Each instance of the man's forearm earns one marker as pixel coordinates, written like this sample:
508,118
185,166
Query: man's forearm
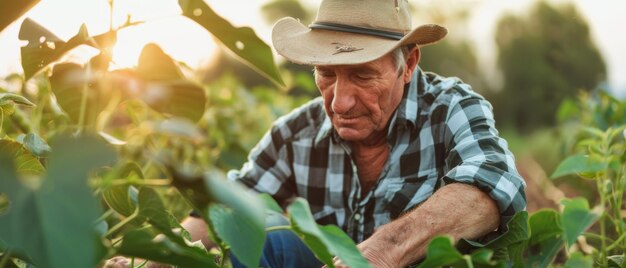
458,210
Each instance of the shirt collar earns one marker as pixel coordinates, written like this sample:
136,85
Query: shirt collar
405,115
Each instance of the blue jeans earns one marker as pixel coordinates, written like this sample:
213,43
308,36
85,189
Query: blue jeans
283,248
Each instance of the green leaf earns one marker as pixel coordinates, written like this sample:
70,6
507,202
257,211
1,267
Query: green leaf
44,47
441,252
542,254
70,83
179,98
48,221
12,10
36,145
155,65
270,203
325,241
25,162
578,260
240,222
240,40
10,98
576,218
616,261
577,164
145,244
546,237
483,256
118,198
159,83
544,224
152,208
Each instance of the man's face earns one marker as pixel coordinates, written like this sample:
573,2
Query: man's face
360,99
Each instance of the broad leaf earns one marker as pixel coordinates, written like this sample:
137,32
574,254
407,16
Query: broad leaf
36,145
578,260
145,244
12,10
576,218
542,254
544,224
118,198
25,162
152,208
325,241
47,222
159,83
616,261
270,203
240,40
240,222
155,65
10,98
8,102
72,84
44,47
576,164
546,237
441,252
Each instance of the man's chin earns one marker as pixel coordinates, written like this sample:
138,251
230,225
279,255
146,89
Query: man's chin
350,134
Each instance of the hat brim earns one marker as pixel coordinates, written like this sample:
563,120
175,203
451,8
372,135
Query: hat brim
300,44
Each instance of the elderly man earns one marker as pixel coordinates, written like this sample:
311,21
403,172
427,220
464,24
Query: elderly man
392,155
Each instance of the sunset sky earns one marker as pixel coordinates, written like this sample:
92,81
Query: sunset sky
188,42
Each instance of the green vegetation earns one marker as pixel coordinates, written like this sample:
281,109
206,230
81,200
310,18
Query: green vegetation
97,163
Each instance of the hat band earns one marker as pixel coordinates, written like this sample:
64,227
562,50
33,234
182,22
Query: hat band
356,29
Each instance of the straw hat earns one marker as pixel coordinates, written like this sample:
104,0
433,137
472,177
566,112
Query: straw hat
351,32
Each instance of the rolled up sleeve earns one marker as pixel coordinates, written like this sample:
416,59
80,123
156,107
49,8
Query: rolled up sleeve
478,156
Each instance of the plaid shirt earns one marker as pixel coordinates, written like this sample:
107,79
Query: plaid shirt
442,132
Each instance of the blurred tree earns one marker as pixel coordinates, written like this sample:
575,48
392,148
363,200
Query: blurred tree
299,77
278,9
454,56
545,57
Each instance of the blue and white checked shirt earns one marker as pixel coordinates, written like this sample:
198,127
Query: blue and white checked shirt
442,132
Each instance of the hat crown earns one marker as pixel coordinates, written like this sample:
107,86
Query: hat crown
390,15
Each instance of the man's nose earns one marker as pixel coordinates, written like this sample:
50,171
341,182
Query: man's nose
344,98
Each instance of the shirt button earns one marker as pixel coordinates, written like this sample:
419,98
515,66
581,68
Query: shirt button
357,216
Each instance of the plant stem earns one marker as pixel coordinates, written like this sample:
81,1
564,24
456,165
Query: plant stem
468,261
596,236
83,100
122,223
1,121
105,215
5,258
280,227
111,15
616,243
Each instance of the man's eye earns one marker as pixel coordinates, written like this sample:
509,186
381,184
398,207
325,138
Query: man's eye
326,74
363,77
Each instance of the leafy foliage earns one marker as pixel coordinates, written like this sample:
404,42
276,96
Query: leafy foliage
545,56
11,10
241,41
173,132
57,221
324,241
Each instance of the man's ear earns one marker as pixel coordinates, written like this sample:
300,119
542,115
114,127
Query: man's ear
411,63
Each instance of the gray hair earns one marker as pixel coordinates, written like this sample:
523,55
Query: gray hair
399,56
